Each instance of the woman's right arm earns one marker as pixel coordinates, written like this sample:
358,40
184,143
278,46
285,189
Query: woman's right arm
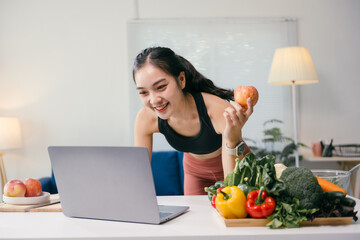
145,126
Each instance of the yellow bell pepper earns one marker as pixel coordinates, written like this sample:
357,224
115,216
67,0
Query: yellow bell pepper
230,202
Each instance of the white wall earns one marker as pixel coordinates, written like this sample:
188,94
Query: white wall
64,69
64,74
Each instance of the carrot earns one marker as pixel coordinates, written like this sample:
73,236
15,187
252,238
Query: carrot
328,186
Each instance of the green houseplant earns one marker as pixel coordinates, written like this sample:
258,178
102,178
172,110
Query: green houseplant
275,143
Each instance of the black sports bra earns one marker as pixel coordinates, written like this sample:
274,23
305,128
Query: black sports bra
206,141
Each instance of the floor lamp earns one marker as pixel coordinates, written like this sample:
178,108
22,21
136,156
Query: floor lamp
293,66
10,138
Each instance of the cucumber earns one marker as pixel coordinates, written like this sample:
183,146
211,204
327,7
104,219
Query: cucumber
349,202
334,195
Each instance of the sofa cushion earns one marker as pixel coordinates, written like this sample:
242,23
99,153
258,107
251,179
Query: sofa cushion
168,172
48,184
181,168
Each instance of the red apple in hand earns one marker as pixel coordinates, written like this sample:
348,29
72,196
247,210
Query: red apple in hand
14,188
242,93
33,187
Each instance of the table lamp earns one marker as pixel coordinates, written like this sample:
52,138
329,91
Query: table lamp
10,138
293,66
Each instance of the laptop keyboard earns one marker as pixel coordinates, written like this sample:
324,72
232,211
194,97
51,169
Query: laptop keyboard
164,214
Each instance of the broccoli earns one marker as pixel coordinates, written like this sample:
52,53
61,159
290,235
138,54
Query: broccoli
303,185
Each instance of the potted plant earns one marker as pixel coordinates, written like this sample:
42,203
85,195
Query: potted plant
275,143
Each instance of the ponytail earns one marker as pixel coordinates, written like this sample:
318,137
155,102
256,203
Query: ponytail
169,62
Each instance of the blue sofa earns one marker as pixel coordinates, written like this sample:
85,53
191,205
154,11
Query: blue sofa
167,169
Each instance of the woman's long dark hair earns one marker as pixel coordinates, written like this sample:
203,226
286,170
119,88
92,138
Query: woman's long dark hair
165,59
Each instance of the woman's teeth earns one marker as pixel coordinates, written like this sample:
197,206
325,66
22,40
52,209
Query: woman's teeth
161,108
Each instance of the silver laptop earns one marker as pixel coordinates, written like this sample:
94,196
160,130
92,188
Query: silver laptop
109,183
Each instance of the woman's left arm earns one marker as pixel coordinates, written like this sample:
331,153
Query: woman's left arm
228,119
235,118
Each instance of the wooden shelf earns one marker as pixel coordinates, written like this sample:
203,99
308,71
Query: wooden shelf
311,158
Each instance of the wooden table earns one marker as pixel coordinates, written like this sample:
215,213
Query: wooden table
201,222
346,163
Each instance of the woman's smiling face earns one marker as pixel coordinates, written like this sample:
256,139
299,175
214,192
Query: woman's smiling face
158,90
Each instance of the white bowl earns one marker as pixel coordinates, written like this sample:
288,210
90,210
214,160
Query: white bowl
44,197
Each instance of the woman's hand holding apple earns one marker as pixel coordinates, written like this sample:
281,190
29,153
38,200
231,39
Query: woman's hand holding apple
242,93
236,116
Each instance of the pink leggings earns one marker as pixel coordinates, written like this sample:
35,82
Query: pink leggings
201,173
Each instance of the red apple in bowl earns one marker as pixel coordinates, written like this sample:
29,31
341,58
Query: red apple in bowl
14,188
33,187
242,93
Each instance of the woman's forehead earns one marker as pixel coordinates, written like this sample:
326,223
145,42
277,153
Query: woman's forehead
149,74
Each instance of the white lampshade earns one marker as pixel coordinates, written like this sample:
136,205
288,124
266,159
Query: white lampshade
292,65
10,133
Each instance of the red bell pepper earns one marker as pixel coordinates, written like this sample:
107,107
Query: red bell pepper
214,196
259,204
213,201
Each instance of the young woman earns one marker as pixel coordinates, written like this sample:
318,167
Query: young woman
193,115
